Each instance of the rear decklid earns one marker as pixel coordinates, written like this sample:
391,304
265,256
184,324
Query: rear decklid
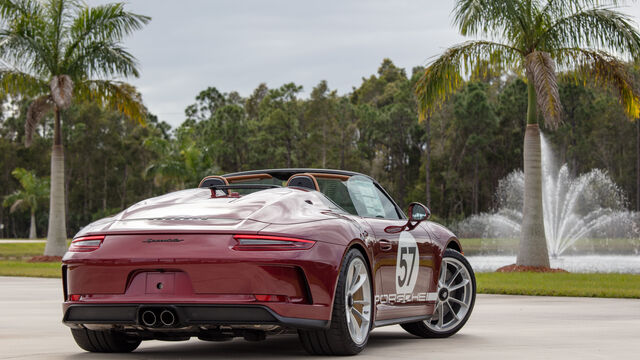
195,210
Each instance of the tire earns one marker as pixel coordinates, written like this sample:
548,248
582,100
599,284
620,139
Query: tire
455,315
107,341
341,338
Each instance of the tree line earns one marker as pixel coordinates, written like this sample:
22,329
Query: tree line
452,161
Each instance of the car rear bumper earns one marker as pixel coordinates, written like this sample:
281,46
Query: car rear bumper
186,314
204,269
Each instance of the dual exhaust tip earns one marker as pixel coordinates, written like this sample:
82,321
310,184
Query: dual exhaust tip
162,317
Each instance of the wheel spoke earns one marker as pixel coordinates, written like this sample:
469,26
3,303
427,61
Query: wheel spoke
355,287
458,286
350,320
356,327
452,312
443,272
361,302
454,277
461,303
358,314
356,274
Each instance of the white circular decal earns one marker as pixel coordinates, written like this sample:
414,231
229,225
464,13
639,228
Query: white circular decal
407,263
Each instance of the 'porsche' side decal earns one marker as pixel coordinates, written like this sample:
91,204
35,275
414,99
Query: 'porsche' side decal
390,299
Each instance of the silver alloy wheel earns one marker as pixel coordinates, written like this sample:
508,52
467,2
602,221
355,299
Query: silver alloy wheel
455,293
357,300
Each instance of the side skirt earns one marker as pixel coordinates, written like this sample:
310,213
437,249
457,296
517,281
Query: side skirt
386,322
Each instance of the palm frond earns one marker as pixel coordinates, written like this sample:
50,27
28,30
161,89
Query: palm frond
58,13
102,59
20,83
541,70
104,23
10,10
602,69
479,17
23,39
595,28
117,95
10,199
34,190
506,21
25,51
25,177
37,109
157,145
168,171
445,74
562,8
18,204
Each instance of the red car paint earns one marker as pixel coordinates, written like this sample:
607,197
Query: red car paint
180,249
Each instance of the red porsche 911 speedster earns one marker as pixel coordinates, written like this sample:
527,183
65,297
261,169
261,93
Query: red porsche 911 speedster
324,253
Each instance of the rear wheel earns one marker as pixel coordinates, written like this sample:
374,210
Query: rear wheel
351,319
106,341
456,297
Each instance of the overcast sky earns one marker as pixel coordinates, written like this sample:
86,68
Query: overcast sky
237,44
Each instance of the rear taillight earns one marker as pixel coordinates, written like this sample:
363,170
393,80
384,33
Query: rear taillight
265,242
86,243
271,298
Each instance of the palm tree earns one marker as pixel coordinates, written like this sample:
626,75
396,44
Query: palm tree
56,51
588,39
34,192
179,162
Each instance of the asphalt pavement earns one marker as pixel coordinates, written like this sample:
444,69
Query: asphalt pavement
501,327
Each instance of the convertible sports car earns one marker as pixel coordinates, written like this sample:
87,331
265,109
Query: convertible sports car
324,253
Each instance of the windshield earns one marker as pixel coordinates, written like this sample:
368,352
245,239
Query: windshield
358,195
258,179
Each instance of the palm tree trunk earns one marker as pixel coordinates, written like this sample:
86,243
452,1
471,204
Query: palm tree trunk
57,232
533,244
32,228
638,164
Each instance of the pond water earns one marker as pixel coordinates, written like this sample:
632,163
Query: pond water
629,264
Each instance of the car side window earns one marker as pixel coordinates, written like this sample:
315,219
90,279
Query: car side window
336,190
369,200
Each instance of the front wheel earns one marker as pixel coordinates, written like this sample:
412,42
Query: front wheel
456,297
351,319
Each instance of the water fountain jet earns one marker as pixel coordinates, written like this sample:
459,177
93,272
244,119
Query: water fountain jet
590,205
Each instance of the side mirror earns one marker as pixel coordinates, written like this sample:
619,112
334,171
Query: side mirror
418,212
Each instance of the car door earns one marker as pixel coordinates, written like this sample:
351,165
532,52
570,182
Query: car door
403,258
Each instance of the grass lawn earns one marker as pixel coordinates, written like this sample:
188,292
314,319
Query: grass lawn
23,268
560,284
20,250
14,256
